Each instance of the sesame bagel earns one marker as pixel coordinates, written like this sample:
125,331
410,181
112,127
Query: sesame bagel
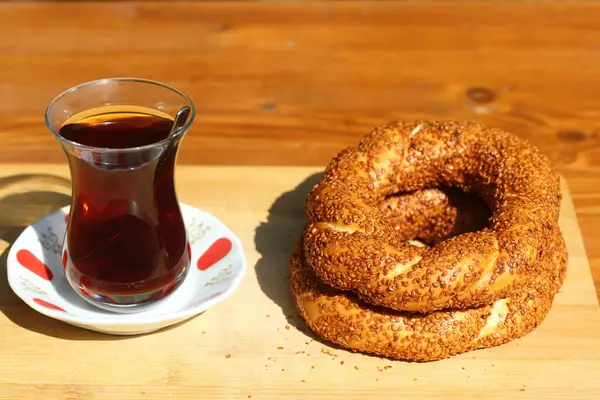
350,244
341,318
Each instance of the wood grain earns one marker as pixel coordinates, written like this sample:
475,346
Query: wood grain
292,83
270,356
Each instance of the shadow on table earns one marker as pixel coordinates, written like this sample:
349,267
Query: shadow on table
274,241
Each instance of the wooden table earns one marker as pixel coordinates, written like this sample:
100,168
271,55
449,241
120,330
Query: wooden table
253,345
292,83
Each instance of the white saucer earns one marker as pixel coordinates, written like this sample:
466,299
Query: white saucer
35,274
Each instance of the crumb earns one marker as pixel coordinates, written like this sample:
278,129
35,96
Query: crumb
268,316
287,327
300,352
269,358
463,367
387,367
283,369
341,363
328,352
227,355
415,379
356,368
521,390
379,369
303,380
312,367
249,396
203,332
279,348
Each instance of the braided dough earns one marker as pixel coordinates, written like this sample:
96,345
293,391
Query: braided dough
351,245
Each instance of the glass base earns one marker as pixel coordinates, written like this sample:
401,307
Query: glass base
127,303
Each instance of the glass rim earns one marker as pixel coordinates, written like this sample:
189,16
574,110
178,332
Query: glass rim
102,81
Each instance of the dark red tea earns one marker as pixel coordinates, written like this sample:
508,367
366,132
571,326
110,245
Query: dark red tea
126,238
118,130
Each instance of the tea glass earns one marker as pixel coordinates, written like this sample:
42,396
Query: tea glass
125,245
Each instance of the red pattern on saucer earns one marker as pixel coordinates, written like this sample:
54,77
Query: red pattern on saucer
215,253
32,263
47,304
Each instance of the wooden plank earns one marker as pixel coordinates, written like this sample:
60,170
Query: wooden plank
292,83
43,358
